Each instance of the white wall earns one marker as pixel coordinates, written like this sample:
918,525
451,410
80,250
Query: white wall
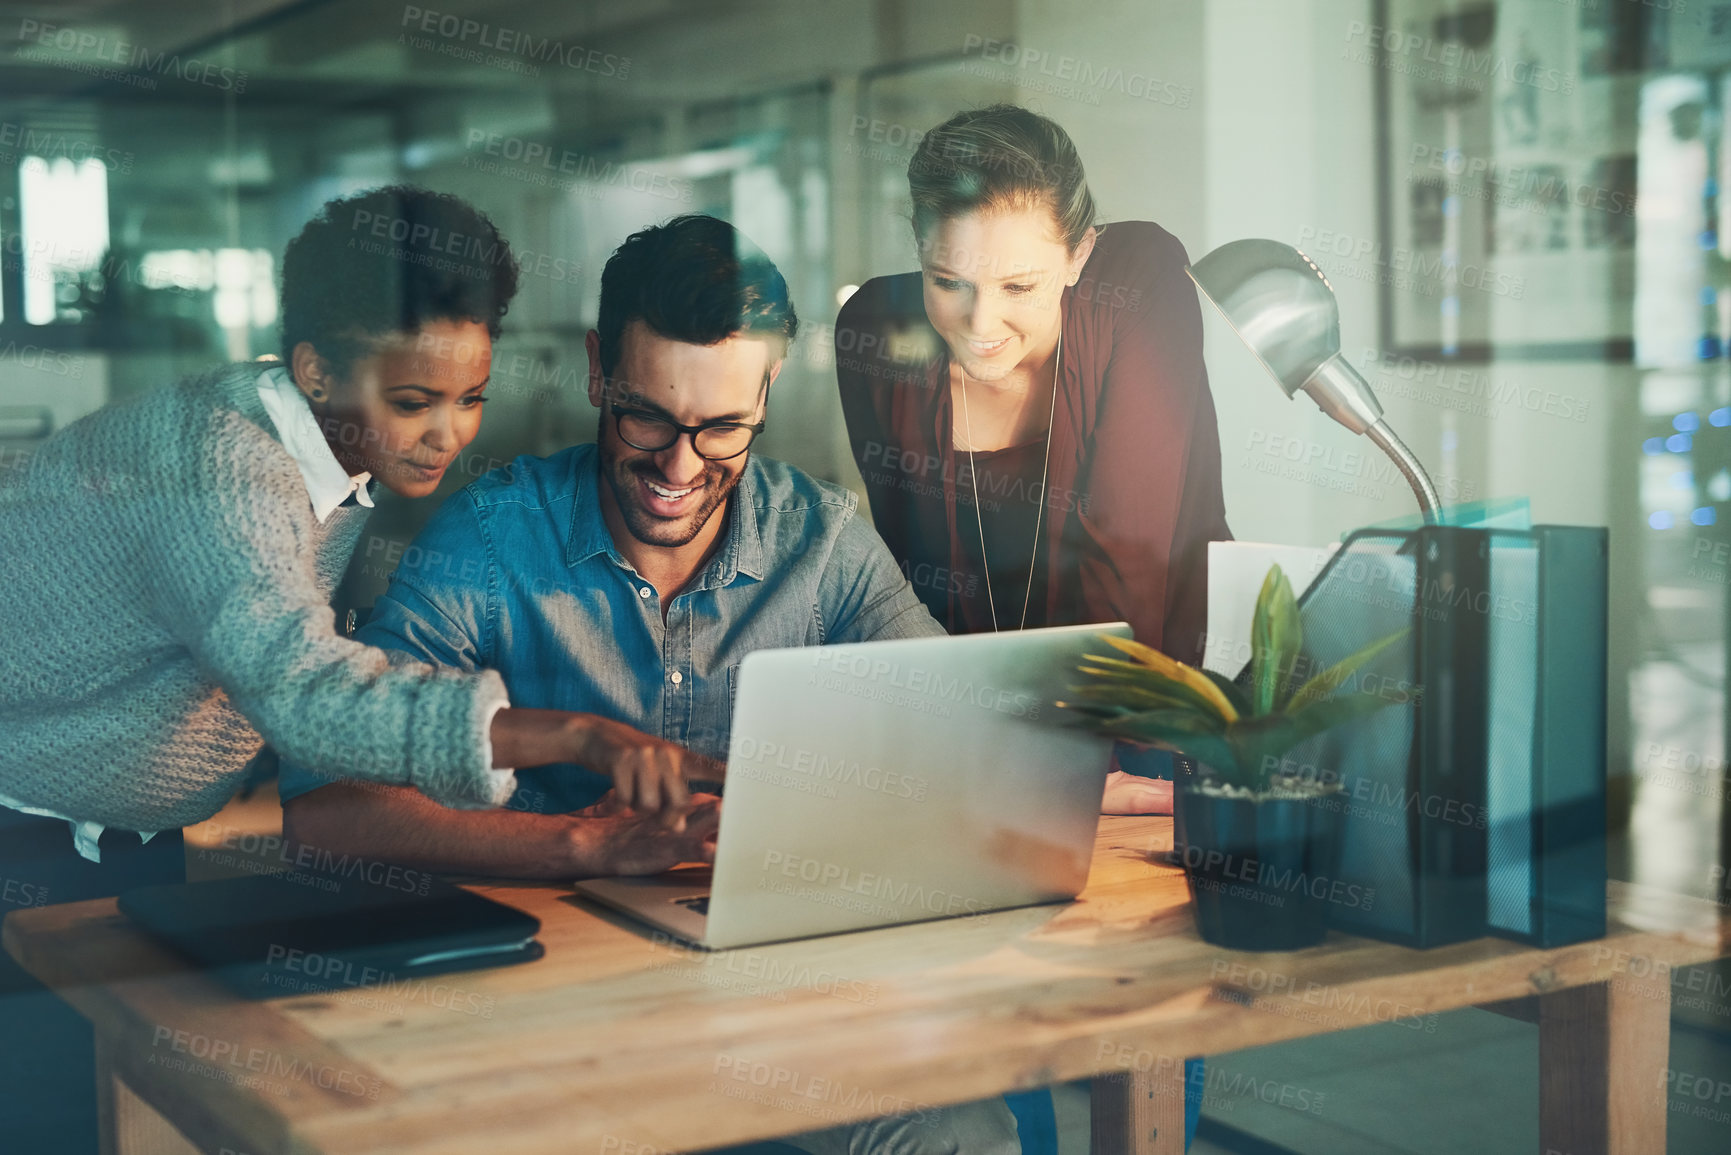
1289,155
1143,153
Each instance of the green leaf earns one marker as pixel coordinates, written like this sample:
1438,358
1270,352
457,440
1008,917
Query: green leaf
1321,685
1275,638
1152,681
1233,691
1118,668
1176,671
1180,730
1259,744
1328,713
1240,737
1115,688
1174,721
1125,696
1084,710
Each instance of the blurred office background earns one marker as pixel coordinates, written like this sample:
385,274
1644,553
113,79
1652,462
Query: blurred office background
1517,202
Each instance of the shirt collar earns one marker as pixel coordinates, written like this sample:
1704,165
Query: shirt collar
589,534
745,543
328,483
740,553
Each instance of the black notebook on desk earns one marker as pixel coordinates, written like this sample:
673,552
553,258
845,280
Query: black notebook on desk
270,935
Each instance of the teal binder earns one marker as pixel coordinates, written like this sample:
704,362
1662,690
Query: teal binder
1475,802
1547,767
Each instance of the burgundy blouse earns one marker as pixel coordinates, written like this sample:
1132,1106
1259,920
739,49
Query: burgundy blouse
1133,497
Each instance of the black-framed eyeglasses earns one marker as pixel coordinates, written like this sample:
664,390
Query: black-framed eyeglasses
713,440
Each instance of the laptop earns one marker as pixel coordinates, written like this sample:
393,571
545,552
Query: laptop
891,782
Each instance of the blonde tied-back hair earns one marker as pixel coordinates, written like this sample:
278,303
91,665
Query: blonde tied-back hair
1001,158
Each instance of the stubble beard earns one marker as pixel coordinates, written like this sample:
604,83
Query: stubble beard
659,531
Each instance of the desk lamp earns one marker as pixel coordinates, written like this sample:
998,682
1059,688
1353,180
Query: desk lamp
1283,308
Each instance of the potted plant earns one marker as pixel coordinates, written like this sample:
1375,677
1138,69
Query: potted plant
1259,846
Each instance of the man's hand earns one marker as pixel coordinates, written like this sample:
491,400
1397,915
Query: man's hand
1132,794
648,773
613,840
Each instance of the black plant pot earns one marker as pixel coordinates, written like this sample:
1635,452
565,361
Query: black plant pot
1183,778
1262,874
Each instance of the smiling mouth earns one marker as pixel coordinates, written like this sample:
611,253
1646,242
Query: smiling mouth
987,348
664,500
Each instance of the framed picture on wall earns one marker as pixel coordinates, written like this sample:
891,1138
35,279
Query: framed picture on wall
1508,190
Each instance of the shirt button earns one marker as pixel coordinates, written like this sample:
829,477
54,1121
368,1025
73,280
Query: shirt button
644,592
676,677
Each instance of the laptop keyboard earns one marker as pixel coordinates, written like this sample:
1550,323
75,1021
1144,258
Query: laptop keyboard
699,904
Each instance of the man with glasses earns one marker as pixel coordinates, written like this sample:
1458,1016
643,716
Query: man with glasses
626,578
629,578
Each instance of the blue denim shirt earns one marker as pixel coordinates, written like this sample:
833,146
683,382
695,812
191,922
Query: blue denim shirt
518,573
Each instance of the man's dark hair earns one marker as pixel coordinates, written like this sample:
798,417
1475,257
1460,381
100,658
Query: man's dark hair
694,279
390,261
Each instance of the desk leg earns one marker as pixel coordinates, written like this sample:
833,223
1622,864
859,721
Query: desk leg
1603,1050
107,1136
126,1124
1138,1112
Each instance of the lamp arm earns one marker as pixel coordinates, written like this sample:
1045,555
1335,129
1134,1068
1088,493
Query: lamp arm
1344,395
1379,432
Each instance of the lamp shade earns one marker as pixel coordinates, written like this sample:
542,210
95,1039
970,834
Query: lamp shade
1283,309
1278,302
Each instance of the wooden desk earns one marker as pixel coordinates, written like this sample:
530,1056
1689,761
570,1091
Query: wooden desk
619,1043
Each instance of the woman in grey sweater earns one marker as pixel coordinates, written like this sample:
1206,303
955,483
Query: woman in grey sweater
166,568
166,565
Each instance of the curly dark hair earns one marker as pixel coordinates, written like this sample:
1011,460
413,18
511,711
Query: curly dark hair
390,261
695,279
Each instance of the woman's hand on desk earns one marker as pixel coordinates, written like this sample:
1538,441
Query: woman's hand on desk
611,840
648,773
1133,794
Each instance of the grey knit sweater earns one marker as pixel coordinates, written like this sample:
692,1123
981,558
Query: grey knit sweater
165,601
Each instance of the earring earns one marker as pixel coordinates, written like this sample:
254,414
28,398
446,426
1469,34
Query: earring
317,393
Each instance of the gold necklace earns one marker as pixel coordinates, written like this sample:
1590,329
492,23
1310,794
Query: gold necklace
1039,510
